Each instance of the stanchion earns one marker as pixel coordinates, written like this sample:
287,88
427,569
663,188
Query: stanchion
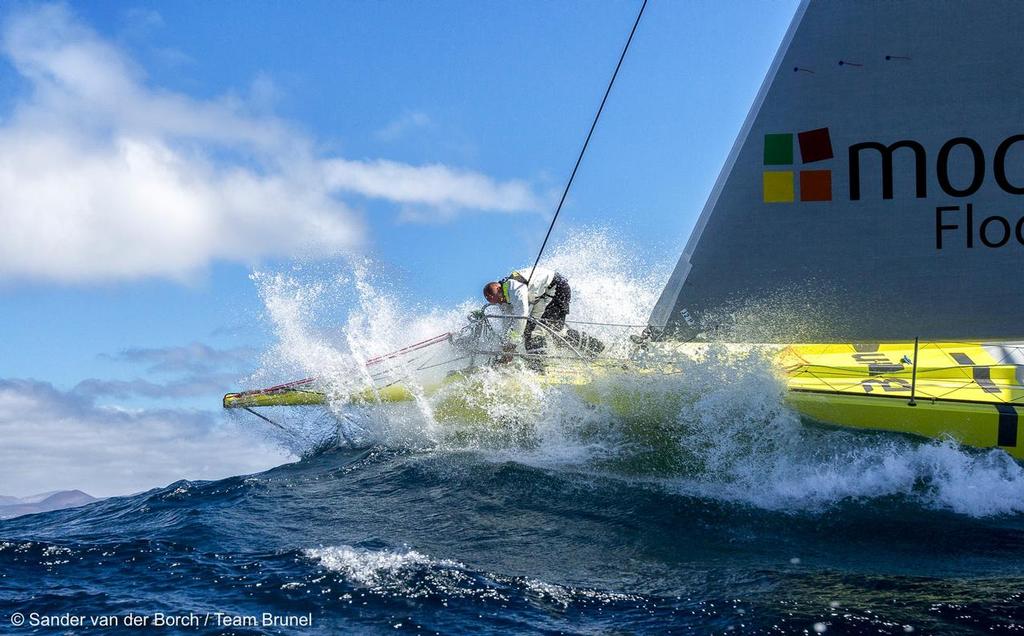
913,377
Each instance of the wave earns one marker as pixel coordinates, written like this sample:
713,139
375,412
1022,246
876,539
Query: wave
407,573
717,430
455,541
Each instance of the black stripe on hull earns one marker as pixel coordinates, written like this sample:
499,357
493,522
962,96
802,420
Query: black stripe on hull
1007,435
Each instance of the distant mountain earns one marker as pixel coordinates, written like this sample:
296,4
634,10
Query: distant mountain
44,502
31,499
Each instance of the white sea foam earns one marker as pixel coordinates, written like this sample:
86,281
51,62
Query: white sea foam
749,447
304,308
718,429
379,569
406,572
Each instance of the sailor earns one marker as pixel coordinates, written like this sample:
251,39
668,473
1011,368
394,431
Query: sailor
537,303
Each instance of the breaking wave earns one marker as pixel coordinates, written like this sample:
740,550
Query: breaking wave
411,574
719,429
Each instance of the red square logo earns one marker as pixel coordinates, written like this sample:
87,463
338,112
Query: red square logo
815,185
815,145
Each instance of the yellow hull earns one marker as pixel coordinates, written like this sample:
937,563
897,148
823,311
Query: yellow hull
970,423
966,391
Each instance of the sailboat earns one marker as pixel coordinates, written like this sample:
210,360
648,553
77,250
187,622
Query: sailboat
868,224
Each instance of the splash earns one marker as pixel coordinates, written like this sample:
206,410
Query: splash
739,442
717,427
408,573
303,308
383,571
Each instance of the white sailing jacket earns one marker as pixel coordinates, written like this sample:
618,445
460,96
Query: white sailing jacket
525,301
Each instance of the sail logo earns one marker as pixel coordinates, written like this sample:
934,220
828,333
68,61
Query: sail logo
780,184
951,221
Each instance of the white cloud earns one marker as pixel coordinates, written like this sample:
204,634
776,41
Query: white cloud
194,385
51,440
198,370
103,177
403,125
195,357
435,185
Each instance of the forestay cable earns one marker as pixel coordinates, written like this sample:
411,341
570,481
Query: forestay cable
583,150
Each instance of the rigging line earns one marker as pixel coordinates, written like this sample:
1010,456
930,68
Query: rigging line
413,347
279,387
832,386
583,150
441,364
430,358
402,365
406,377
578,322
959,388
399,365
542,356
266,419
604,324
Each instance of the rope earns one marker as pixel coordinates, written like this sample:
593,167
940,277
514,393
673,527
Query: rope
575,322
583,150
413,347
604,324
287,386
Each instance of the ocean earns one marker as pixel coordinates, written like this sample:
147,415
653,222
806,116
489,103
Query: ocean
387,540
705,506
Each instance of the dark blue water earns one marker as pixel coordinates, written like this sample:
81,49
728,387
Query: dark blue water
380,540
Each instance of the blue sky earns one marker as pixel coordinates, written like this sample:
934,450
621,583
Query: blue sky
153,154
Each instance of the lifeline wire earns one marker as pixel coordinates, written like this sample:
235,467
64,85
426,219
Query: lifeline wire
583,150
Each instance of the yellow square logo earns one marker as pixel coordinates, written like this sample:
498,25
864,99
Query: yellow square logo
778,186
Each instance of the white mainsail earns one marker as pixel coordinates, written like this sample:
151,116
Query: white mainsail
876,189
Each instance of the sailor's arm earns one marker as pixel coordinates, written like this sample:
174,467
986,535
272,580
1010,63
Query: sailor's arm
519,309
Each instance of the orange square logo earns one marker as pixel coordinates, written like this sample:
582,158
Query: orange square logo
815,185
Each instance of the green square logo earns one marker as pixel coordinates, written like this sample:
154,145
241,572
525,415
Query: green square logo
778,149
